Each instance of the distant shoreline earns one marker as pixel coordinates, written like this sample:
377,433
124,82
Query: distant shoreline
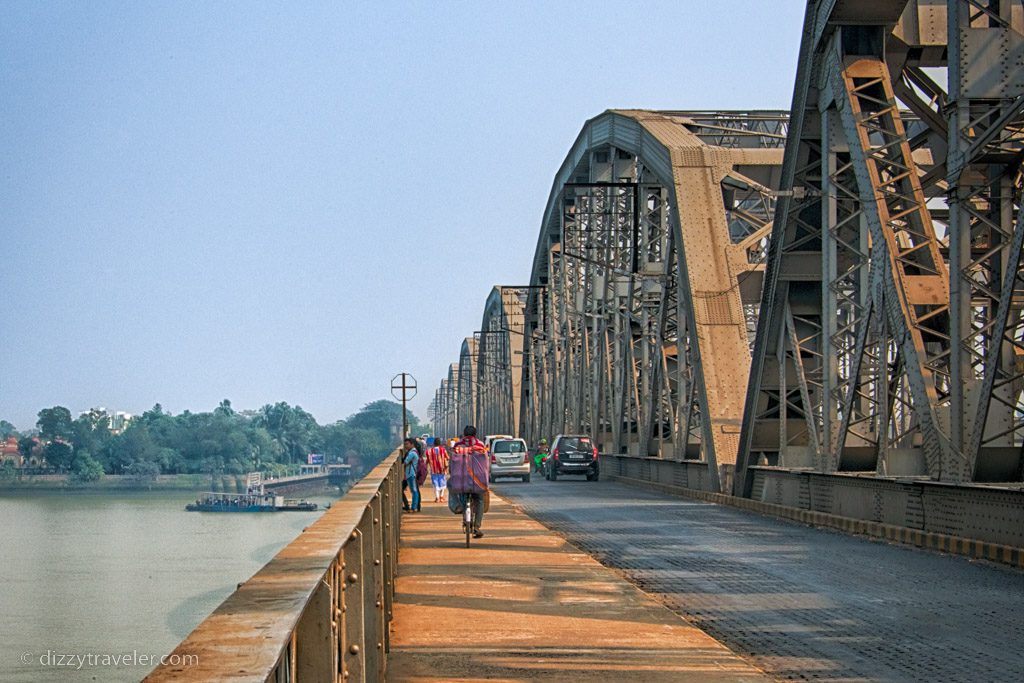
119,483
123,483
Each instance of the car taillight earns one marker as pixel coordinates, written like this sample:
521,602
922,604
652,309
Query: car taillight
595,452
494,458
554,454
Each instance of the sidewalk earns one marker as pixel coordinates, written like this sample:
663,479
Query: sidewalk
522,605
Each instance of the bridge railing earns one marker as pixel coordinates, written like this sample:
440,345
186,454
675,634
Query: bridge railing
977,520
319,610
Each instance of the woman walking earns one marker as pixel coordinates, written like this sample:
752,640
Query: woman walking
412,459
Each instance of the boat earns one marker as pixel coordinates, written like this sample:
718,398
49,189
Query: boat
247,502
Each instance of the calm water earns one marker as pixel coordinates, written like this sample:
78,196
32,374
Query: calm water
112,574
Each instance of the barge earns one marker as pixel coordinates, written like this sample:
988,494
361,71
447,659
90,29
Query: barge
248,502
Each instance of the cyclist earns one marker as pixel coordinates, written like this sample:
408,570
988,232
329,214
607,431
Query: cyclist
541,456
469,445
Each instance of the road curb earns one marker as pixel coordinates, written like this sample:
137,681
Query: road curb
955,545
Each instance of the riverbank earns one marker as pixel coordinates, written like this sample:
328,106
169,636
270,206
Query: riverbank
119,482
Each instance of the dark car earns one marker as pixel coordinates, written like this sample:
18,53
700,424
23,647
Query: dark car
572,454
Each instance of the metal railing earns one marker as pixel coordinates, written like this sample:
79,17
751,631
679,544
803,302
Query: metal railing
319,610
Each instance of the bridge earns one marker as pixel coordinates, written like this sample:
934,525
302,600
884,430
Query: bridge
333,475
797,338
821,308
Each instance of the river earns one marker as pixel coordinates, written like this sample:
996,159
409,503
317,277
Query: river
114,574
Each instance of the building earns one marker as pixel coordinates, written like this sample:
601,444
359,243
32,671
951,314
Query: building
9,452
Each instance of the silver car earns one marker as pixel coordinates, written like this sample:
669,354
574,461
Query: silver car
509,459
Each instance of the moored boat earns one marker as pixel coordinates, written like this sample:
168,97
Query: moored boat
247,502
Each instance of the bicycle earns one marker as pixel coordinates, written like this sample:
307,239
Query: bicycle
467,518
469,486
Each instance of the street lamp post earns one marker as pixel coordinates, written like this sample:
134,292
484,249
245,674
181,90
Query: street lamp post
404,382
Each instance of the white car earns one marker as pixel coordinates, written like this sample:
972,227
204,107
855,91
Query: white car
509,459
494,437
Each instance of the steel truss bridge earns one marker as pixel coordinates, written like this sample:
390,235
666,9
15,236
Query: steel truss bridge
816,315
833,290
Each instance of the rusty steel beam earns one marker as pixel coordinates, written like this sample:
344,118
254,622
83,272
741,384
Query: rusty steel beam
446,422
466,402
895,250
645,281
499,362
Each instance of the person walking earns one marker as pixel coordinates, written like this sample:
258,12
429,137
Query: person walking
437,461
412,459
471,447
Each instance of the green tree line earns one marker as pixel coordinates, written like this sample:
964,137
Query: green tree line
222,441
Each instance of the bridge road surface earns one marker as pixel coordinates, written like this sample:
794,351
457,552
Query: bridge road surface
521,604
801,603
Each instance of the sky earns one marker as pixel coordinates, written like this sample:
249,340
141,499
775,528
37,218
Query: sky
295,201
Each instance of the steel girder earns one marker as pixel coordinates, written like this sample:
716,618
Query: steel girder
432,413
499,363
645,282
447,425
483,388
446,403
466,405
891,317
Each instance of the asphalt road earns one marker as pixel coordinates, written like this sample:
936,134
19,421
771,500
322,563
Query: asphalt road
801,603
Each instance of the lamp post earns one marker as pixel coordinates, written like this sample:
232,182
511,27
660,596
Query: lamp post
403,382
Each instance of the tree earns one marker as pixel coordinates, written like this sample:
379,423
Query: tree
91,431
294,429
58,454
133,445
378,416
96,418
55,423
265,450
335,439
26,445
156,412
224,409
221,441
382,417
365,448
142,473
169,460
85,469
7,429
8,470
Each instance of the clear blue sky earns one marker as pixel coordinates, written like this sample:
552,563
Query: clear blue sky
293,202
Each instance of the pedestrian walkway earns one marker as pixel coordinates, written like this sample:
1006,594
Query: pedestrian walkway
521,604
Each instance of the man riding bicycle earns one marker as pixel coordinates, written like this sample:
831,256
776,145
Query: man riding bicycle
467,447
